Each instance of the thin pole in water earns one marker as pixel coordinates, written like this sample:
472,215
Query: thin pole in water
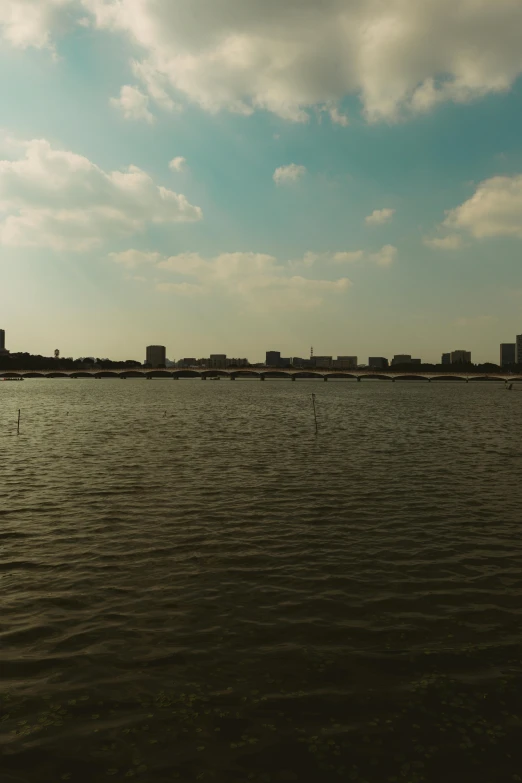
315,413
18,425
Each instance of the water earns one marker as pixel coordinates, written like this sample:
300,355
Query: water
195,587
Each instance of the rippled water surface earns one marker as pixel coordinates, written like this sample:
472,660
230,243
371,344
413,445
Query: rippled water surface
195,587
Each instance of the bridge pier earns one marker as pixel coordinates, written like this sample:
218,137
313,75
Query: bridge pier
203,377
359,378
232,377
176,378
325,379
293,378
261,377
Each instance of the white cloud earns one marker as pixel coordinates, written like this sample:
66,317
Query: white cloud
178,164
337,118
400,56
26,23
379,216
450,242
57,199
133,104
385,256
287,174
182,289
254,278
494,210
348,257
133,258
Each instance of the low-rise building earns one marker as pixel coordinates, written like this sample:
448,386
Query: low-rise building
218,361
345,363
324,362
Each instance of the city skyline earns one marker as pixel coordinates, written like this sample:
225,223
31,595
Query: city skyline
166,177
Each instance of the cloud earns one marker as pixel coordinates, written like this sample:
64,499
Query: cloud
337,118
379,216
400,57
133,104
25,23
287,174
178,164
256,279
348,257
182,289
133,258
494,210
385,256
450,242
57,199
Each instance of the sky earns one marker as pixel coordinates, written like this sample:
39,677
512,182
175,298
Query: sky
237,176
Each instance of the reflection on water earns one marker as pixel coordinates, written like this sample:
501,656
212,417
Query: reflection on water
195,587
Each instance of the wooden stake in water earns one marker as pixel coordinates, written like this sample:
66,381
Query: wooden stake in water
315,413
18,425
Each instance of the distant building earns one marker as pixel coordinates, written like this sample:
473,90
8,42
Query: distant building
3,349
507,354
345,363
218,361
518,349
461,357
401,358
322,361
273,358
378,363
446,358
237,363
298,362
156,356
188,362
417,362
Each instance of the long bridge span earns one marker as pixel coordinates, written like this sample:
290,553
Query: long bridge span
261,374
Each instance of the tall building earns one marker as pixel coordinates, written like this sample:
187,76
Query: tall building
401,358
2,342
218,361
461,357
273,358
377,363
156,356
518,349
507,354
446,358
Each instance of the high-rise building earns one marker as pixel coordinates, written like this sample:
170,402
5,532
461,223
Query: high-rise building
377,363
2,342
401,358
507,354
156,356
446,358
461,357
273,358
518,349
218,361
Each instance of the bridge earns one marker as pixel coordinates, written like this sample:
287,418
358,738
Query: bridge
263,374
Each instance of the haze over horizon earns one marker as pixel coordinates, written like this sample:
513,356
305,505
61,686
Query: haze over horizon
250,175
